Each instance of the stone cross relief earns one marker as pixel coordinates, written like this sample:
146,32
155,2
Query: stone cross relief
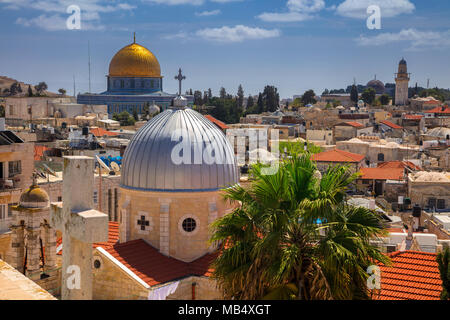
81,226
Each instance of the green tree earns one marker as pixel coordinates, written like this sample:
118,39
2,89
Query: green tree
62,91
250,102
124,118
41,87
135,114
297,103
240,95
2,111
260,104
354,94
198,98
309,97
294,237
222,93
271,99
384,99
443,260
206,97
15,89
368,96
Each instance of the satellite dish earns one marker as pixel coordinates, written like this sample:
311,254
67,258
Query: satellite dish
102,164
48,170
115,167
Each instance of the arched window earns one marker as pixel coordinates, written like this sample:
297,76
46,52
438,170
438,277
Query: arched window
381,157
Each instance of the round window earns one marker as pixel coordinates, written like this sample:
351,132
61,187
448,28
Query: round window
97,264
189,225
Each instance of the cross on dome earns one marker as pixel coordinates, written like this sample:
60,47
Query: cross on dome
180,78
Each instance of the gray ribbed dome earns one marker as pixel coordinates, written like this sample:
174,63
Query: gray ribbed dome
148,165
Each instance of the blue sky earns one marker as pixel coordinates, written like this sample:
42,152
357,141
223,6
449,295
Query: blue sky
293,44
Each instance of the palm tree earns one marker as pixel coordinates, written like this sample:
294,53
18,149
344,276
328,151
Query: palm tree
294,237
443,259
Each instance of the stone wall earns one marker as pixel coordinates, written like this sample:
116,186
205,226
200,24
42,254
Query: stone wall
165,212
392,190
5,240
421,192
113,283
204,289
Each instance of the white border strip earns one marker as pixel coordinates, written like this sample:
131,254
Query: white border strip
123,267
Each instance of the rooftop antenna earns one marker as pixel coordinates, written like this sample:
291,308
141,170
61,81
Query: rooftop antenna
89,65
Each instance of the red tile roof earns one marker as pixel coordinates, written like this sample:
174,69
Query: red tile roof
218,123
337,155
382,173
412,117
113,237
100,132
399,164
354,124
441,110
154,268
413,276
390,124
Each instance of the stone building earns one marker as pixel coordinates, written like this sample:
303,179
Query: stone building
338,157
169,195
430,190
350,129
16,168
380,150
32,248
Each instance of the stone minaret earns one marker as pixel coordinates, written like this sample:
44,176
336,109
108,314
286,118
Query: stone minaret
401,84
33,240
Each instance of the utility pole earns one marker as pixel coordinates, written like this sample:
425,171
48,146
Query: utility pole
89,65
74,90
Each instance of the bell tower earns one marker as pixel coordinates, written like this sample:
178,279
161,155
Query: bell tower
401,84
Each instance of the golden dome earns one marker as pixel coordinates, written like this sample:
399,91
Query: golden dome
134,60
34,197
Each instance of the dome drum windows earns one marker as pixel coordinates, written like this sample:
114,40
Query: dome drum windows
189,225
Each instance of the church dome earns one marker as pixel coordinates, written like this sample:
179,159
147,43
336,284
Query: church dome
34,197
377,85
134,60
156,160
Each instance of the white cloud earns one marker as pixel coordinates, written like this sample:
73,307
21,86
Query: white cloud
237,33
306,6
389,8
90,11
208,13
283,17
54,23
226,1
298,10
417,40
177,2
